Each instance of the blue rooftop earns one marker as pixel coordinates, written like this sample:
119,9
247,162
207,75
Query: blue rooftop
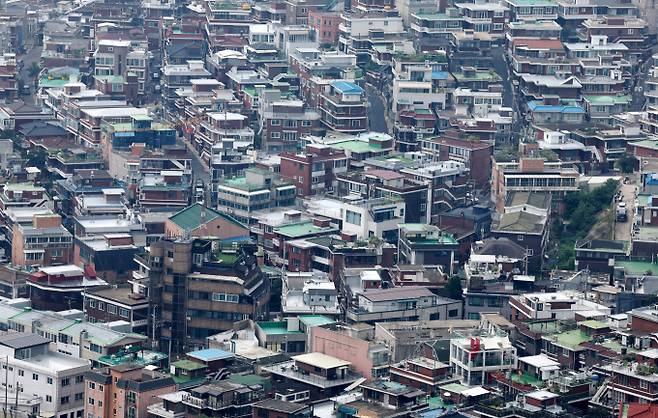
651,179
439,75
211,354
346,87
540,107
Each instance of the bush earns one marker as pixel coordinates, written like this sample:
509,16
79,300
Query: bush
627,164
580,215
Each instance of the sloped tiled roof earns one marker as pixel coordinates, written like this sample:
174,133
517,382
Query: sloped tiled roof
190,217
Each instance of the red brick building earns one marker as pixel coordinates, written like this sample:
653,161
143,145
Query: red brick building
325,25
475,154
313,171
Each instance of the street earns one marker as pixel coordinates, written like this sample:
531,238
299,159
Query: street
376,111
32,56
623,229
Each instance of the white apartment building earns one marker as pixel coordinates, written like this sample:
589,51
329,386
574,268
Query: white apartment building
473,359
35,371
309,293
372,217
559,305
416,89
356,31
476,103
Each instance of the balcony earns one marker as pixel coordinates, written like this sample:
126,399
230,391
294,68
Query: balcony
206,403
161,412
290,371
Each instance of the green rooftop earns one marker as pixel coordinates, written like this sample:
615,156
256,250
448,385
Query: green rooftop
357,146
53,83
276,328
394,158
477,76
111,79
24,187
188,365
571,339
526,379
241,184
437,402
315,320
430,238
604,100
638,268
227,257
616,346
593,324
190,218
144,358
646,143
302,229
454,388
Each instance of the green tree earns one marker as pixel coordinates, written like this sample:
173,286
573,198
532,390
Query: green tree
627,164
36,158
33,70
454,288
580,214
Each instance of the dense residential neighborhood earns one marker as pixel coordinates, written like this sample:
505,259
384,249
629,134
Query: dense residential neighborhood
329,209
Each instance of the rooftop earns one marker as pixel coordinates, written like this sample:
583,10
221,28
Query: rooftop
302,229
321,360
211,354
570,339
276,328
197,215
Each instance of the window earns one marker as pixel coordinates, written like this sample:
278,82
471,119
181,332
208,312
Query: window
49,398
80,396
306,123
100,388
275,135
453,313
275,122
111,309
225,297
79,379
92,303
91,401
353,218
35,376
92,385
101,306
124,313
21,373
64,400
519,237
49,380
66,382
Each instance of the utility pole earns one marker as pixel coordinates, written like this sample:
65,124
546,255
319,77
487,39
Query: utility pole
16,403
6,387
